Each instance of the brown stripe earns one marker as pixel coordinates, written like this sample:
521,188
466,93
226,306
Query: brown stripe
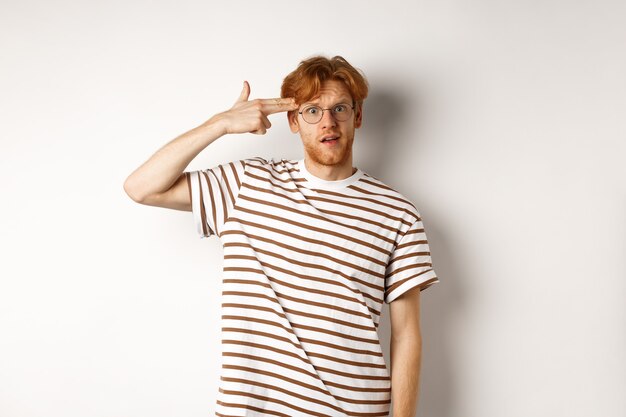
402,281
313,375
375,182
296,382
311,341
408,232
211,193
293,394
281,164
415,242
202,208
347,362
270,400
187,177
243,168
314,329
227,182
414,231
271,174
427,284
408,255
251,407
400,199
317,355
222,194
298,346
411,266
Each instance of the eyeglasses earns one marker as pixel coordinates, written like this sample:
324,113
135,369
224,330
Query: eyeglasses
313,114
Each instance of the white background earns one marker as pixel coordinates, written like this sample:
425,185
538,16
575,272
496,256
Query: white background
503,121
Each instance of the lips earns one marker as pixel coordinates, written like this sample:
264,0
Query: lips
327,138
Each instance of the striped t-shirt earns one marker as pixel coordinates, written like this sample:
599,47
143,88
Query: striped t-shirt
307,265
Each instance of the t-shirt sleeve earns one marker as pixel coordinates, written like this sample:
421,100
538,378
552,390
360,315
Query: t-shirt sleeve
213,195
410,264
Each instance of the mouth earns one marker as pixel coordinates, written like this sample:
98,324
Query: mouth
329,140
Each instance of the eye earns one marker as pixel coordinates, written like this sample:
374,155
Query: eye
340,108
312,110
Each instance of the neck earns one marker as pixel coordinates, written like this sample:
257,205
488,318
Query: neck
333,172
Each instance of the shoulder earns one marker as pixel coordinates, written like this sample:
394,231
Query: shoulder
273,163
253,161
398,204
259,166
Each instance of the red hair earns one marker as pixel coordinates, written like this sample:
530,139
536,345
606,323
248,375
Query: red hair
305,81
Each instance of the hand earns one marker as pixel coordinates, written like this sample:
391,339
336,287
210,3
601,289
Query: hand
251,116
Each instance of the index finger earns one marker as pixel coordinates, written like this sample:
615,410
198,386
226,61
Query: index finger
277,105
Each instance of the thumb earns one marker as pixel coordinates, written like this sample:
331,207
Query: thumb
245,93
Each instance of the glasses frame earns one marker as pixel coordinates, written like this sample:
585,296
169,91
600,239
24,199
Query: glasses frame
323,110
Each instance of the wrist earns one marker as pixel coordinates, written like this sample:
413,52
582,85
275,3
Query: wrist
216,125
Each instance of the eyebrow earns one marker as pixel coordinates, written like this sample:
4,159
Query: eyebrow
343,100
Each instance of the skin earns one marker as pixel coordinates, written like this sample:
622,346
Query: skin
160,181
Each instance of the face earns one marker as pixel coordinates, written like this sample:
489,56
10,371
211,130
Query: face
330,153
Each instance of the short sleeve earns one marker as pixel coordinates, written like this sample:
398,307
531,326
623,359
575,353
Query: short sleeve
410,264
213,195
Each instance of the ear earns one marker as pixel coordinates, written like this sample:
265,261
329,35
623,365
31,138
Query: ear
358,118
292,116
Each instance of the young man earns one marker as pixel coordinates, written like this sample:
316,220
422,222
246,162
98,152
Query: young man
312,249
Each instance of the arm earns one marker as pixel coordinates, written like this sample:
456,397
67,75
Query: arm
160,180
406,352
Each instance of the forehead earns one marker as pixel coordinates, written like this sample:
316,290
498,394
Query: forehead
332,91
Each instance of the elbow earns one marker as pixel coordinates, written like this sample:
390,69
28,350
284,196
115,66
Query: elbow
132,191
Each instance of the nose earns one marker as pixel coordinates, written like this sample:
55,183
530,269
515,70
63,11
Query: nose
328,120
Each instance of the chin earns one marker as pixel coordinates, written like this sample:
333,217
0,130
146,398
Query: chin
326,157
328,160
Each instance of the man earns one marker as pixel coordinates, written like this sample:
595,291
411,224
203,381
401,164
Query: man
312,248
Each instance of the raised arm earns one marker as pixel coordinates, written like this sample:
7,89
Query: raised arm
160,181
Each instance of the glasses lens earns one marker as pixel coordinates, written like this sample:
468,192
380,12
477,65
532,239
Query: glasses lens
312,114
342,112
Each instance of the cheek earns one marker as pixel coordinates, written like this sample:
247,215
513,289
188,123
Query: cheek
307,135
